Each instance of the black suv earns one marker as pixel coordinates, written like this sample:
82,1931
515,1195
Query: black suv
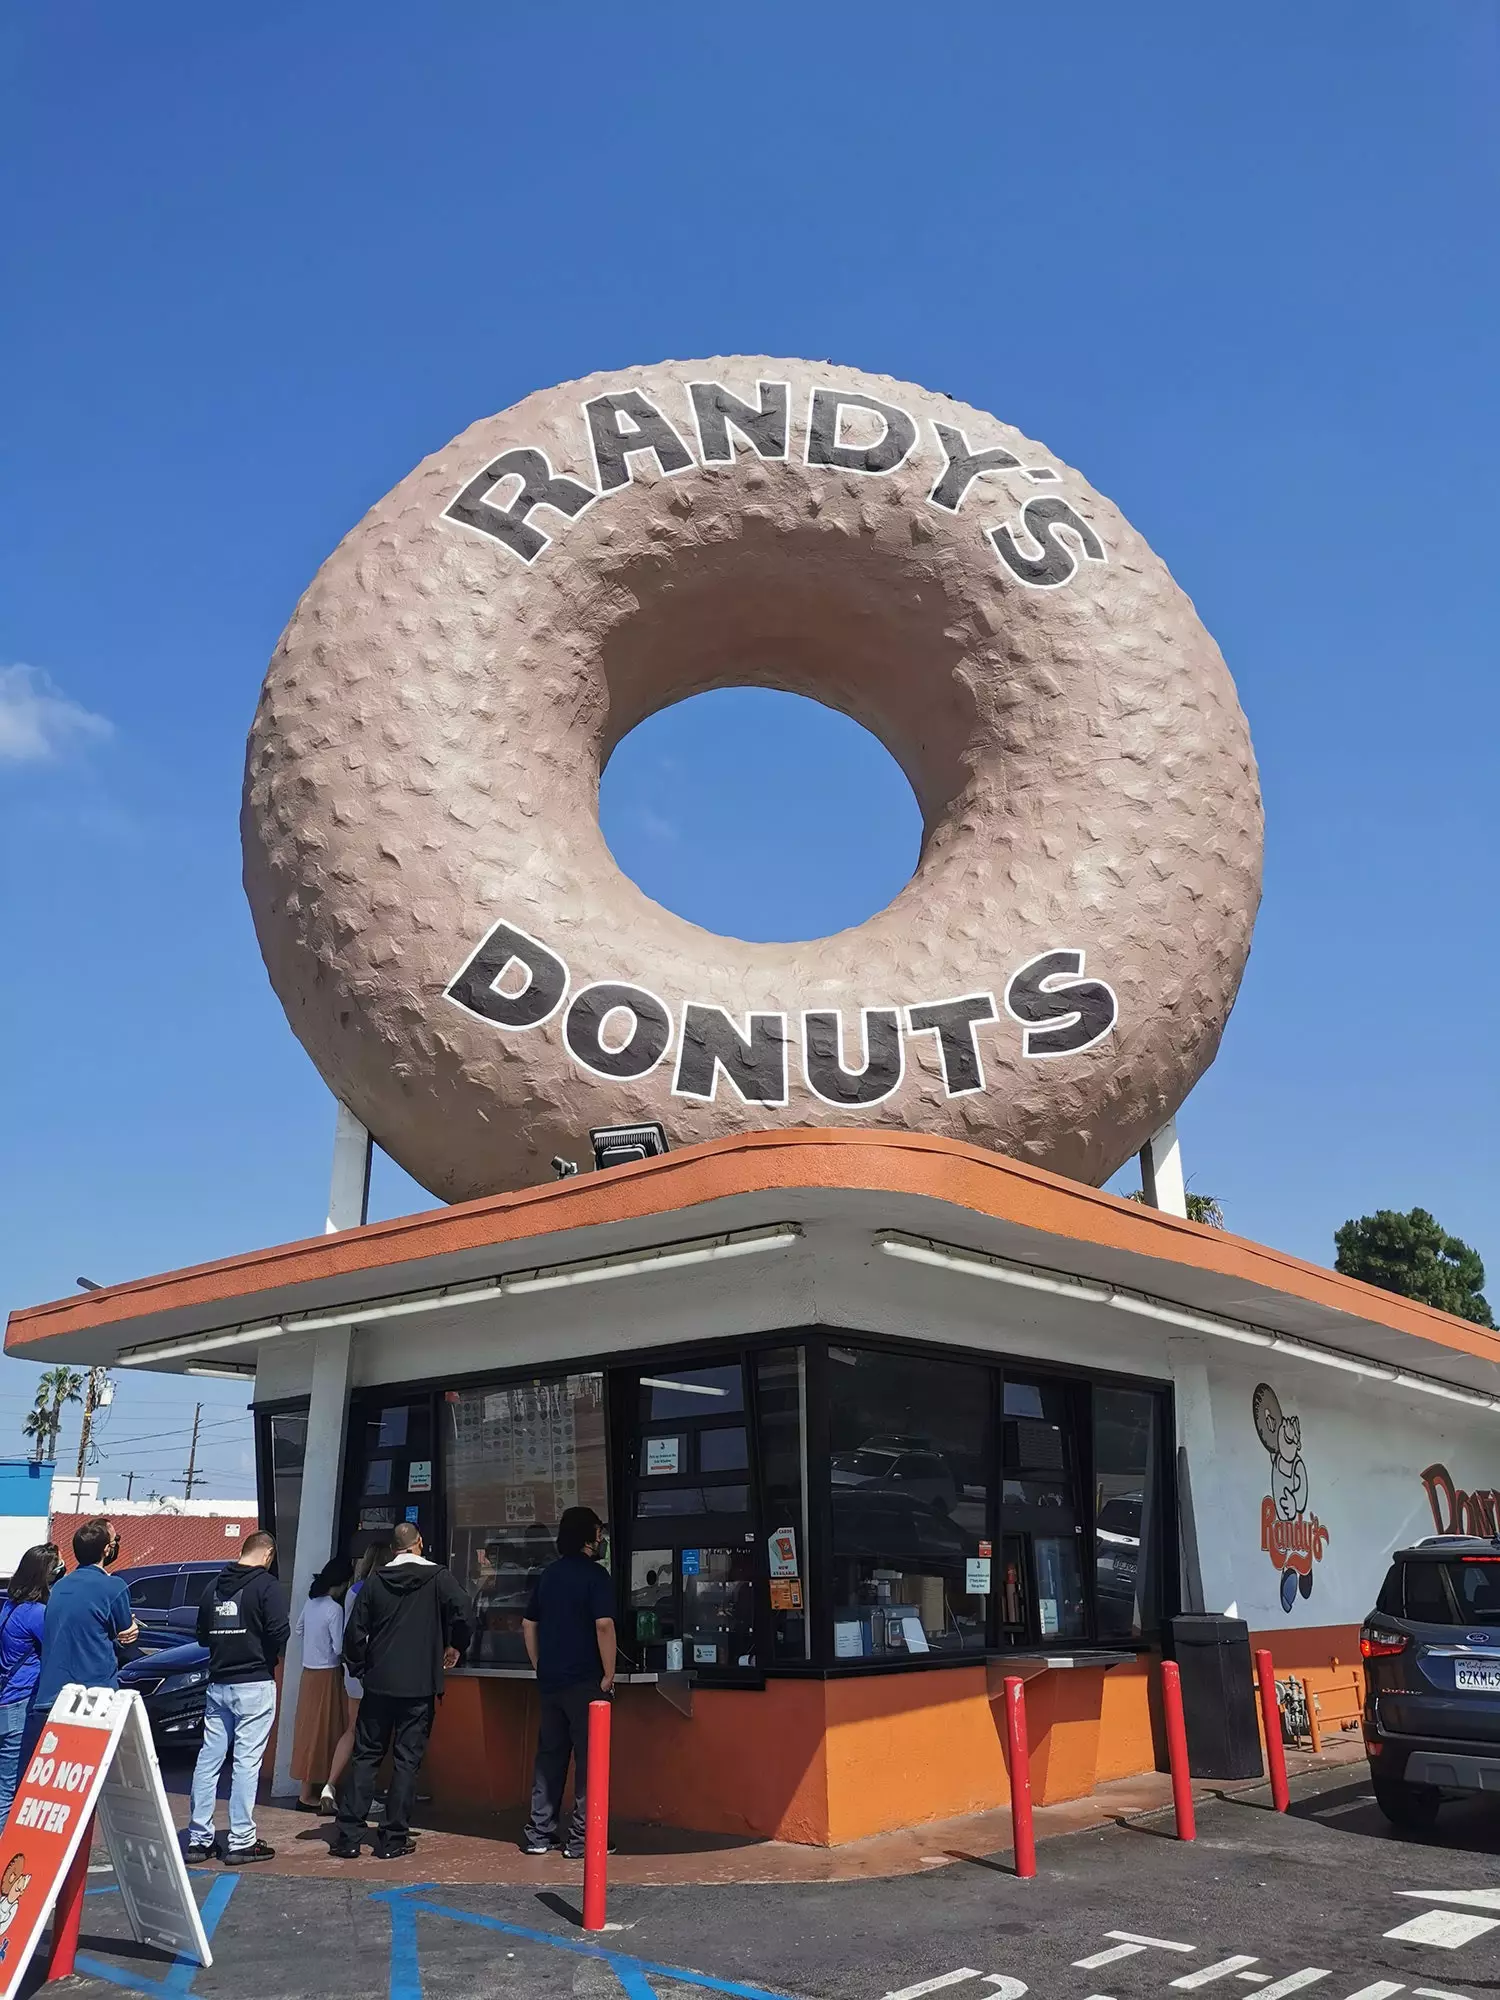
1431,1649
165,1596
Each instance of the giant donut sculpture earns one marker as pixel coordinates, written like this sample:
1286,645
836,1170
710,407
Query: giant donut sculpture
455,945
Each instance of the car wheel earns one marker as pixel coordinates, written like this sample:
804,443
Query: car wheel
1414,1807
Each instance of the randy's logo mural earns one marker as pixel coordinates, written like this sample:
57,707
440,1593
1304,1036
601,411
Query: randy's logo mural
1290,1536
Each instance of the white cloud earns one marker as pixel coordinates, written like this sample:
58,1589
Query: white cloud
38,723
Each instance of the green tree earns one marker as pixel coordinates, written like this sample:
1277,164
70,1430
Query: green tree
1202,1208
38,1427
57,1387
1415,1256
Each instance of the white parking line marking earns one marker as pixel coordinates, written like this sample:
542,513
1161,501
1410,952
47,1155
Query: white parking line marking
1007,1988
1349,1806
1474,1899
1438,1993
1161,1944
1190,1981
1294,1982
936,1985
1447,1929
1383,1989
1106,1957
1253,1978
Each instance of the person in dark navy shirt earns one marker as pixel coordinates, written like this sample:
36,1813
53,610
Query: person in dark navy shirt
569,1629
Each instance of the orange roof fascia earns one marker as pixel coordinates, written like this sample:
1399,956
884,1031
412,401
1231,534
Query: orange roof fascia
896,1163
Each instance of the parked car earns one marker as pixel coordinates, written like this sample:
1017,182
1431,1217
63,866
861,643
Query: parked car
165,1596
890,1466
1431,1649
171,1681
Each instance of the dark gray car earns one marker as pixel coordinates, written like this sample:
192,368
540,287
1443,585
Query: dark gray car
1431,1651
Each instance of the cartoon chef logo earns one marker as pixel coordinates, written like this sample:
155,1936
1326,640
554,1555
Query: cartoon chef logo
13,1886
1291,1537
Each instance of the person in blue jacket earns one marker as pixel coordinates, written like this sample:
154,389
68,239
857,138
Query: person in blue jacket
22,1621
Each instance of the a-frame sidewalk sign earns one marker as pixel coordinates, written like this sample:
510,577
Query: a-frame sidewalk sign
93,1760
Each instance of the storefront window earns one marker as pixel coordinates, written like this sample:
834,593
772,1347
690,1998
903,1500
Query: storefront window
390,1454
286,1441
910,1489
514,1459
781,1403
1043,1532
1126,1565
692,1520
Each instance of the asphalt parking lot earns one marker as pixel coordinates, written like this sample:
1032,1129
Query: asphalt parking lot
1328,1900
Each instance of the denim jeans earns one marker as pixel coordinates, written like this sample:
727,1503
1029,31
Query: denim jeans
12,1729
237,1713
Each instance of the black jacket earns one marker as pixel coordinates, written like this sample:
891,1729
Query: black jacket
243,1621
402,1621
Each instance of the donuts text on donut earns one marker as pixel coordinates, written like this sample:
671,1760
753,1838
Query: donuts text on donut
626,425
617,1031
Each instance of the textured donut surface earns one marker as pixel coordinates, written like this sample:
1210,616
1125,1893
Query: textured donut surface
455,945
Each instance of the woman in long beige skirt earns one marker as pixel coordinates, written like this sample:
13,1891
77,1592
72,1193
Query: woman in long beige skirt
321,1714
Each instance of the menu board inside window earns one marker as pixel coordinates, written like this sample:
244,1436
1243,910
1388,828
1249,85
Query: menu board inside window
516,1458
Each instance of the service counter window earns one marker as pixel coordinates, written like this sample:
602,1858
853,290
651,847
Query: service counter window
692,1519
1043,1540
781,1415
389,1476
1127,1527
515,1457
911,1491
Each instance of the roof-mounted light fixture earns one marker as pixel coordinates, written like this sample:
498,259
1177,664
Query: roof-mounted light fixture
545,1278
1090,1291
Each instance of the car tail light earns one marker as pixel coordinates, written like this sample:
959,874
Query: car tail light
1380,1645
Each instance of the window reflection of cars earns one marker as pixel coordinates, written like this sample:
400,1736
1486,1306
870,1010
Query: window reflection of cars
895,1527
890,1465
1118,1549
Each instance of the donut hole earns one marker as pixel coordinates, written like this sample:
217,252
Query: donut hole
760,815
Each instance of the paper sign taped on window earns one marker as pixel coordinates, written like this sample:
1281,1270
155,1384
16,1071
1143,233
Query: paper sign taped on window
661,1455
692,1562
786,1594
419,1476
783,1551
977,1576
520,1505
848,1639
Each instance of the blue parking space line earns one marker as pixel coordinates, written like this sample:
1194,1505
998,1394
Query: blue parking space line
634,1974
177,1982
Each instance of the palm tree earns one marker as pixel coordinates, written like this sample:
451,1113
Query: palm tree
58,1386
38,1427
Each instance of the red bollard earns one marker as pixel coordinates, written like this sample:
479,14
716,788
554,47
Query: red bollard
1022,1839
596,1831
1177,1750
67,1911
1270,1715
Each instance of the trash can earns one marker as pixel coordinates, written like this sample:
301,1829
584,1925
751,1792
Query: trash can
1218,1694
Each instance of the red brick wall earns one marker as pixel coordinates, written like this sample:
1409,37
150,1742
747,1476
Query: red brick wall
163,1538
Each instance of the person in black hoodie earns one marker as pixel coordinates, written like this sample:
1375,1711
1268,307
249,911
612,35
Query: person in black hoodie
243,1622
409,1625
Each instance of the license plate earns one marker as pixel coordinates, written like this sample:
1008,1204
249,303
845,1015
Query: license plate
1469,1674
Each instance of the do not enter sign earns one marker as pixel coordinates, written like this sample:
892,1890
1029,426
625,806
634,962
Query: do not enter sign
94,1757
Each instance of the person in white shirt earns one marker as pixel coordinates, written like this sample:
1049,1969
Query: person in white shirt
322,1715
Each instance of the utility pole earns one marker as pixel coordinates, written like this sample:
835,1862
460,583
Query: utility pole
98,1394
190,1478
129,1482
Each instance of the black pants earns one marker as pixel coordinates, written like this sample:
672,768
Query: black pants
564,1733
402,1725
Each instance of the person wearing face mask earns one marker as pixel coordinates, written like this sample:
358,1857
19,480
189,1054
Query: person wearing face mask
88,1617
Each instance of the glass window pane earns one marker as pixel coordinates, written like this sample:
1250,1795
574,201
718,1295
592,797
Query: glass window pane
718,1609
781,1405
516,1457
653,1603
288,1440
725,1450
693,1392
1126,1566
153,1593
1426,1599
1040,1511
911,1480
655,1503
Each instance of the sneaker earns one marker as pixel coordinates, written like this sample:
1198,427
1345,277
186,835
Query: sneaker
344,1850
394,1849
576,1850
236,1857
200,1850
537,1847
307,1805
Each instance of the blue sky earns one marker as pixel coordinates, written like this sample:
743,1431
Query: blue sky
1237,265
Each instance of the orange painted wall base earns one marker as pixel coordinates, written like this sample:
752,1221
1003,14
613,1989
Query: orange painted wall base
817,1762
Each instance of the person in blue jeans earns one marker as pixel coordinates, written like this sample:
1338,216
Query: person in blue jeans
22,1619
88,1618
244,1624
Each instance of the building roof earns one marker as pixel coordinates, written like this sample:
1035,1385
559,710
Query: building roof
163,1538
956,1194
